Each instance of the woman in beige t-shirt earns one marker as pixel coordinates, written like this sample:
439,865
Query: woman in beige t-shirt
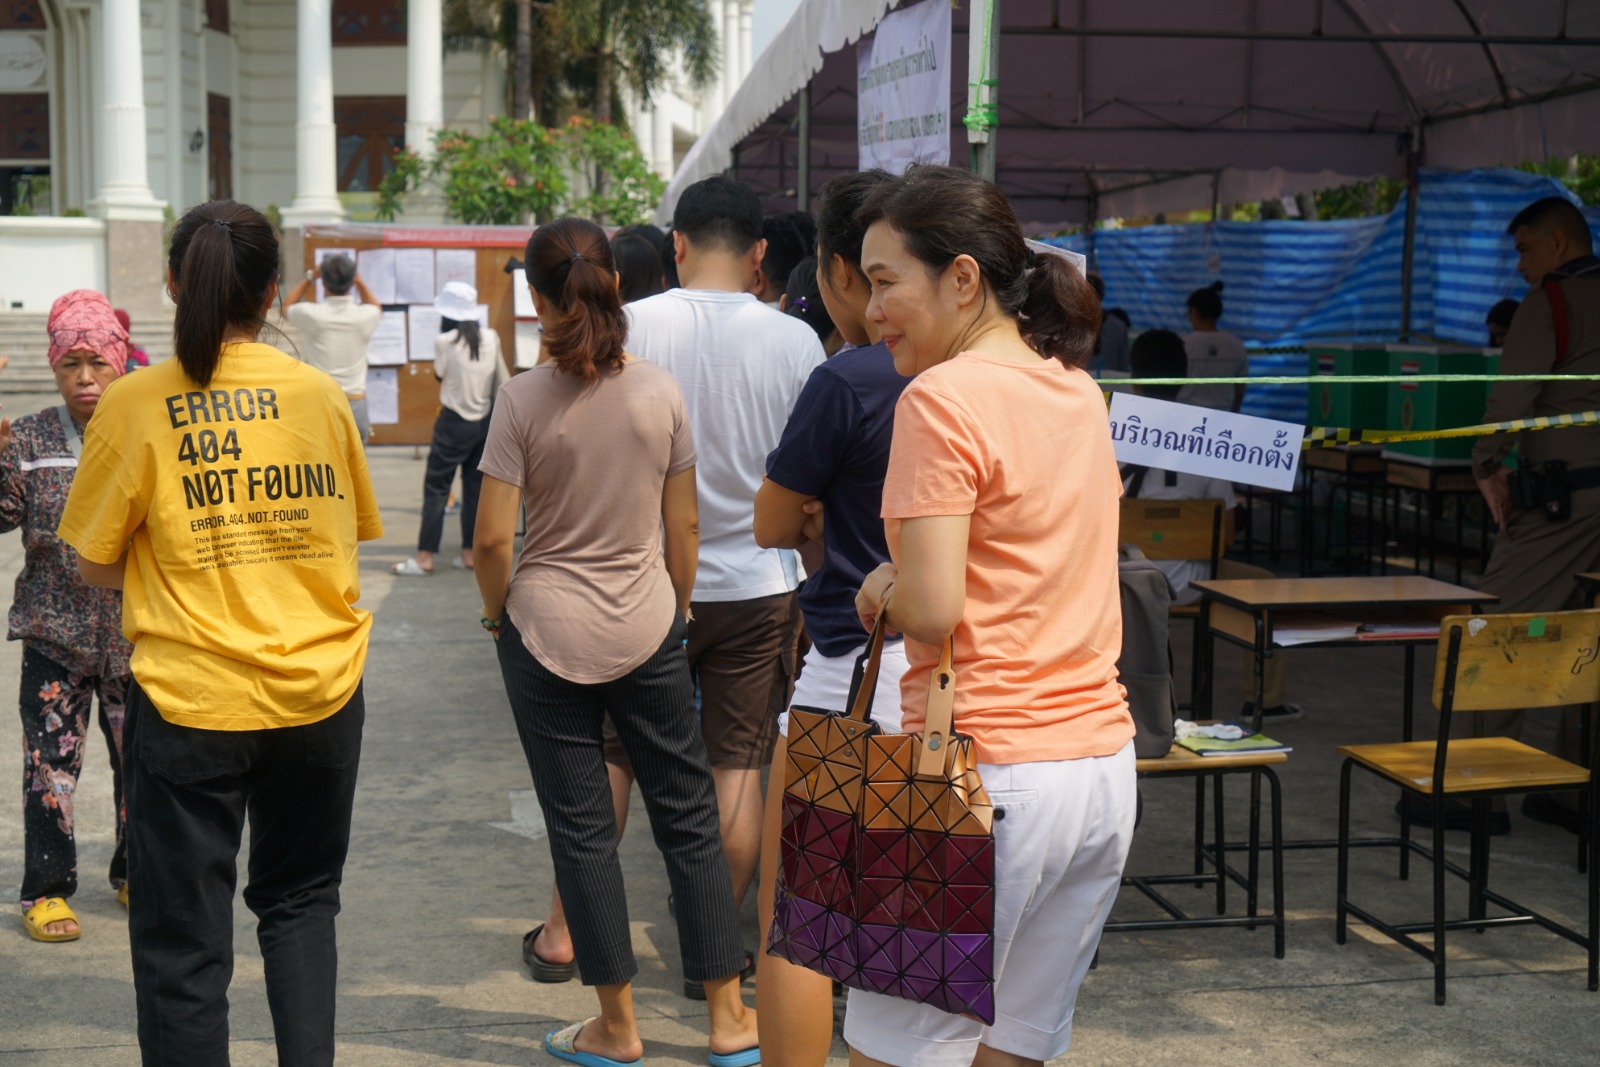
595,446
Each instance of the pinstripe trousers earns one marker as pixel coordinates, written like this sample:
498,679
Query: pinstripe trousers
652,707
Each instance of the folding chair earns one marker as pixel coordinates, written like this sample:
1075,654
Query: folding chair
1487,663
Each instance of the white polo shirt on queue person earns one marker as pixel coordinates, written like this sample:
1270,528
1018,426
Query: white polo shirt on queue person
739,394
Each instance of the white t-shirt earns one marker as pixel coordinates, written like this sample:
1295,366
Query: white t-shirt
1173,485
334,336
467,386
741,366
1214,355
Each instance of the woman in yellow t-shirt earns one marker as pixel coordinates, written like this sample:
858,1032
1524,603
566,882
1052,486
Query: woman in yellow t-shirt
1000,506
224,491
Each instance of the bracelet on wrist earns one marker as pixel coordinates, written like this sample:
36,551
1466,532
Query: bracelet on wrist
492,625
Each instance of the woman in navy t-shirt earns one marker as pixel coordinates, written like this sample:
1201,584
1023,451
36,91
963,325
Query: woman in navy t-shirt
829,464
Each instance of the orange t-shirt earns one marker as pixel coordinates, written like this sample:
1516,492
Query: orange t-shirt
1025,450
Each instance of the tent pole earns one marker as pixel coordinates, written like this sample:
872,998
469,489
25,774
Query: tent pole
803,165
983,84
1408,252
1088,230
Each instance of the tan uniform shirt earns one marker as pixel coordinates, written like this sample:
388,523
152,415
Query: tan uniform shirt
1530,348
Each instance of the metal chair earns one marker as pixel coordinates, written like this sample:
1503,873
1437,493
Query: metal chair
1486,663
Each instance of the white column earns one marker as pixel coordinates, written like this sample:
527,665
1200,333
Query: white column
746,57
730,48
665,158
125,187
714,94
316,197
424,74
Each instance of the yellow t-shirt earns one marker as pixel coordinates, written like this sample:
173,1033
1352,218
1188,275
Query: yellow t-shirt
239,506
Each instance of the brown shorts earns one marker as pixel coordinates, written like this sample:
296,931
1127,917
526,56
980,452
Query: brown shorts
743,654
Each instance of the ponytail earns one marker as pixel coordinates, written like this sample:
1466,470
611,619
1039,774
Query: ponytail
467,330
570,264
1060,316
223,259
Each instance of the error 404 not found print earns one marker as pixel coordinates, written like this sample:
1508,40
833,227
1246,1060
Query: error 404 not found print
1204,441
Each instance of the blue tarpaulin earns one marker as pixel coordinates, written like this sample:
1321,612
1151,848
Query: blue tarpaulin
1291,283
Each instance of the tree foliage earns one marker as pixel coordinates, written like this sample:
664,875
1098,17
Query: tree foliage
520,170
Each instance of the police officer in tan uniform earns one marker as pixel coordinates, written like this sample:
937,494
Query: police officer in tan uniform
1548,509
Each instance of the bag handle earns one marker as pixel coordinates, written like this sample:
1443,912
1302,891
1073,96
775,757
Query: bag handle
864,679
940,722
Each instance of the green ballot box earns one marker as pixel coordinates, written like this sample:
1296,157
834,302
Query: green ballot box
1360,407
1435,405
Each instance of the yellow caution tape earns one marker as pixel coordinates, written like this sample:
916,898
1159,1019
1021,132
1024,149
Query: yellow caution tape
1334,436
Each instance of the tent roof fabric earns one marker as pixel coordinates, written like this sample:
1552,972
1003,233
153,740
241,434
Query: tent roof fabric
1163,104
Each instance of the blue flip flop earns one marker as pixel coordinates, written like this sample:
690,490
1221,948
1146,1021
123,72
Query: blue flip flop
748,1057
559,1044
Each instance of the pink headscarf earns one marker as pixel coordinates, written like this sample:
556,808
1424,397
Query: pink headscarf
83,319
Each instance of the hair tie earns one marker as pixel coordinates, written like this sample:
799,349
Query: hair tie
577,257
801,304
224,224
1033,259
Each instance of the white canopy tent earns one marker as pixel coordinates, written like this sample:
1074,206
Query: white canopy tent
1115,108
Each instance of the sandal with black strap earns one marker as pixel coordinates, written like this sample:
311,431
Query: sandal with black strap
543,970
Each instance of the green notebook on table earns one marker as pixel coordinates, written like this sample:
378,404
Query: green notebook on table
1210,746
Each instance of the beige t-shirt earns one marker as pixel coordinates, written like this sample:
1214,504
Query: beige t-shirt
467,386
334,336
590,592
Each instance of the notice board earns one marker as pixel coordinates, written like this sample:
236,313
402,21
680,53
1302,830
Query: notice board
484,249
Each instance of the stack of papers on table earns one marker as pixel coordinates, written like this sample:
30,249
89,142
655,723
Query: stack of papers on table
1312,629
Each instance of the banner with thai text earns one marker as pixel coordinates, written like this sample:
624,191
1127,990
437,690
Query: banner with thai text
1214,444
903,89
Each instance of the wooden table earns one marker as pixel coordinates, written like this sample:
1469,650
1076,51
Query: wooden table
1349,466
1431,482
1251,613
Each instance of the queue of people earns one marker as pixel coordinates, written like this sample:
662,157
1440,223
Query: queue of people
903,404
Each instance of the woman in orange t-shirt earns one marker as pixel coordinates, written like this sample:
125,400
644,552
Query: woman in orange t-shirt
1001,513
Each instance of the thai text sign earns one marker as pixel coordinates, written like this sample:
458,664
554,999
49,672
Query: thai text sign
1205,441
903,89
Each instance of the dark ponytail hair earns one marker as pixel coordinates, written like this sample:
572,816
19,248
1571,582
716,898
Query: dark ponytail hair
466,330
223,259
838,231
1207,302
570,264
803,299
945,212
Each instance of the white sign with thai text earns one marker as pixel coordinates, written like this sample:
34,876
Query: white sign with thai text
1204,441
903,89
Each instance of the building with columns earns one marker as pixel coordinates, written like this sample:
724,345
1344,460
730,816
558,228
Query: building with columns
116,115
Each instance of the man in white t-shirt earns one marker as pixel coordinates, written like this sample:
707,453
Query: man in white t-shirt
741,366
1213,353
1161,354
334,333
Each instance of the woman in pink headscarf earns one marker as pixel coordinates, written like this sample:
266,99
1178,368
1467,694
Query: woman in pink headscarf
72,645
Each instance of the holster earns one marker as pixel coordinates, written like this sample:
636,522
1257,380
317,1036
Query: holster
1547,487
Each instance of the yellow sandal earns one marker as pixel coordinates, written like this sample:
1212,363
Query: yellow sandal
47,911
122,894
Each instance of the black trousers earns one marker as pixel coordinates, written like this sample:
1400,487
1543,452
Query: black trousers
457,442
652,707
189,792
55,705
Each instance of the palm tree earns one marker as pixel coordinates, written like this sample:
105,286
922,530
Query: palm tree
564,50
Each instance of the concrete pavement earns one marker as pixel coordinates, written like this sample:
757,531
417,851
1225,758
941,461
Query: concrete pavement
446,872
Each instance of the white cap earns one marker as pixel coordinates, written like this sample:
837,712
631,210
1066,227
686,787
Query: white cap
457,301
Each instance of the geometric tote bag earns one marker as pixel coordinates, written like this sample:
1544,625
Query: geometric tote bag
886,858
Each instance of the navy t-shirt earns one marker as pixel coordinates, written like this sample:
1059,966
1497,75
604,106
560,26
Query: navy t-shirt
836,448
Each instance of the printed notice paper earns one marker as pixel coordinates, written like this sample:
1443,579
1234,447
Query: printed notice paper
376,267
521,298
413,276
1215,444
424,327
388,345
383,396
903,89
455,265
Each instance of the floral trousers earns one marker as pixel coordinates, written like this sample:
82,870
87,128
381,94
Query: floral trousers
55,729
